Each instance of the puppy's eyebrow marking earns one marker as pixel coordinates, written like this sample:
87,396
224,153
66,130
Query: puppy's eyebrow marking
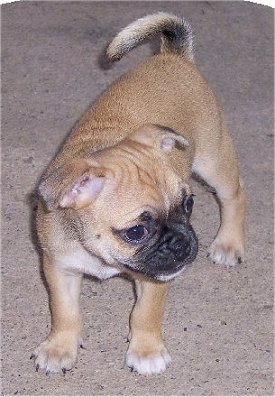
133,217
139,211
166,202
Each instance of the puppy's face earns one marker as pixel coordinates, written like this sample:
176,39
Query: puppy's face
130,207
157,243
141,227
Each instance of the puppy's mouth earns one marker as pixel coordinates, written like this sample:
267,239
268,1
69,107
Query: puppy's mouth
168,256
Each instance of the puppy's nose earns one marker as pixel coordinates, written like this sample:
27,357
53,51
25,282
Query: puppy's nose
180,247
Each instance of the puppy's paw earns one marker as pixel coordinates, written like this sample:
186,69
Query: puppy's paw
226,253
150,363
57,353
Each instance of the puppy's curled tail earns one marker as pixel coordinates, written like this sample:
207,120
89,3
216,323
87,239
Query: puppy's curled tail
175,34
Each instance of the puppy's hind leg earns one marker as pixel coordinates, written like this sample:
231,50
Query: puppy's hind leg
219,169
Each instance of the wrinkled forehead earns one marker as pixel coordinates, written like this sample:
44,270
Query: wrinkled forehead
139,190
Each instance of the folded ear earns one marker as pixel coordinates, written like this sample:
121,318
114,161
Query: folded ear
73,185
164,138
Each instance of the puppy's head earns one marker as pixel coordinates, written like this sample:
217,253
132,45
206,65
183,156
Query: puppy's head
128,204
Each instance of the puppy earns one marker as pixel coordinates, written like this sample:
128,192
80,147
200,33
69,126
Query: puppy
116,199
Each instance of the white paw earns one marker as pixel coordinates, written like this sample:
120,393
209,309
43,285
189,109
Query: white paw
153,363
55,355
226,254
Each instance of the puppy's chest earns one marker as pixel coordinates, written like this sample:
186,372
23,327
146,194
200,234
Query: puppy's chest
78,259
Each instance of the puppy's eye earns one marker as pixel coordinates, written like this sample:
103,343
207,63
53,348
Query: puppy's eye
188,203
136,233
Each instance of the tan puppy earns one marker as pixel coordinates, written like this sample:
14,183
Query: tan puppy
116,199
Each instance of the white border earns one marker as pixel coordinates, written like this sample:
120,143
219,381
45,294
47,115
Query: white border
263,2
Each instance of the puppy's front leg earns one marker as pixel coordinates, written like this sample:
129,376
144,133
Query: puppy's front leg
147,354
59,351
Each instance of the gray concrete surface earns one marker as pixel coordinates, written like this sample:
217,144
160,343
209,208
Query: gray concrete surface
218,323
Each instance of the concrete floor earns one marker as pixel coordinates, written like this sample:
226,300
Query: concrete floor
218,323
